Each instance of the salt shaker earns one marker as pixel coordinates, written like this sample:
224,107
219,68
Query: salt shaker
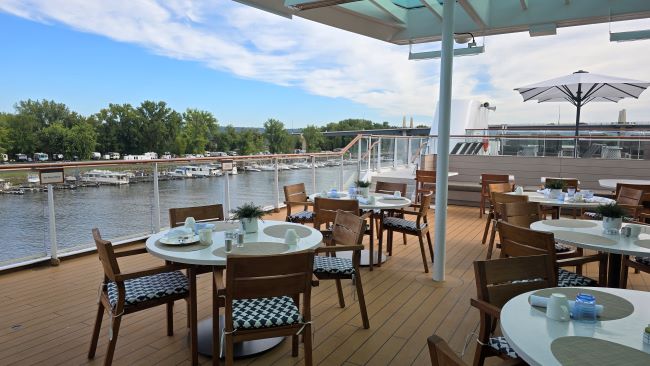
228,247
240,239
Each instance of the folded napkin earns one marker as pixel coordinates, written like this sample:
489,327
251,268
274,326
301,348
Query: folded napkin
362,200
179,232
542,191
542,300
203,225
392,197
596,199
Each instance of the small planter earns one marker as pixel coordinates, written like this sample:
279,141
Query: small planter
249,225
612,225
364,191
555,194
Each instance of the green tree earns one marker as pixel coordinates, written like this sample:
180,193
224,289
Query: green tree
52,138
160,126
197,130
119,129
80,141
5,142
278,138
251,141
47,112
228,139
23,134
314,138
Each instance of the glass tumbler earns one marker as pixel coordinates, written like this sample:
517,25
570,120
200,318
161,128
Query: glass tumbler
585,308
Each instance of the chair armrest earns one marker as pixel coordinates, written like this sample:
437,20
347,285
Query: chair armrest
338,248
297,203
409,212
126,253
148,272
315,282
486,307
580,260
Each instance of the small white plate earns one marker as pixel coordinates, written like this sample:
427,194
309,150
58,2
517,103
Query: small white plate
176,241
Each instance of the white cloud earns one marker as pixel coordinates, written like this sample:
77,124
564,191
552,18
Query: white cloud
329,62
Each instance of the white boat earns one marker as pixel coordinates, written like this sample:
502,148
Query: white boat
181,171
252,168
105,177
33,179
201,171
267,167
4,185
302,165
234,170
282,166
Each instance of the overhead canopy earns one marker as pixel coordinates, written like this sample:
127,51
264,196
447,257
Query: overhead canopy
415,21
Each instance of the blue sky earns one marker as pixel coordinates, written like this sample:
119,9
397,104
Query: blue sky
245,65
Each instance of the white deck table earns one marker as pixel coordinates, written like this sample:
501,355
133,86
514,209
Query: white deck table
530,333
588,234
611,183
269,233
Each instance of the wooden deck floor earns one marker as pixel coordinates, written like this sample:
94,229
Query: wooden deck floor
46,314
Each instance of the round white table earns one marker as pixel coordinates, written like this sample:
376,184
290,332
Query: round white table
382,202
611,183
593,238
206,256
530,333
539,198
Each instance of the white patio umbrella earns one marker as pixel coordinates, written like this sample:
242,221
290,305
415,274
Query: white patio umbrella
582,87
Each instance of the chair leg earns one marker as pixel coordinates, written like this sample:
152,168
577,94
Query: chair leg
481,206
112,342
216,334
294,346
98,326
389,242
194,347
307,337
170,318
339,289
371,245
424,256
362,301
487,226
404,238
624,272
430,243
380,248
493,234
230,349
579,253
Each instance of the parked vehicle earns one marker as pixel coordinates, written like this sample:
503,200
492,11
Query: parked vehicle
96,156
57,157
166,155
4,158
21,158
114,155
40,157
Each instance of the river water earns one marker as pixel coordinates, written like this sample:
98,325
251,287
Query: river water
127,210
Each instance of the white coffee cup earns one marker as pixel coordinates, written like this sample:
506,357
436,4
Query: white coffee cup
372,200
291,237
205,236
519,190
397,194
635,230
557,308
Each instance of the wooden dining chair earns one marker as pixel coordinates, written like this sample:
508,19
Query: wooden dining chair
639,264
442,355
568,183
498,198
347,235
425,183
644,212
295,195
493,189
486,180
127,292
389,188
418,227
497,281
518,241
178,215
629,199
262,300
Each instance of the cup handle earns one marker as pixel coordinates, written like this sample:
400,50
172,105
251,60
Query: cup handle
565,313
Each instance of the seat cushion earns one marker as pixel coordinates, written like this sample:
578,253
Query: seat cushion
302,216
597,216
500,344
643,260
150,287
265,313
402,224
568,279
561,248
333,265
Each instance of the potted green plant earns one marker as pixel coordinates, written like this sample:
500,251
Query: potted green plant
248,214
556,187
363,187
612,217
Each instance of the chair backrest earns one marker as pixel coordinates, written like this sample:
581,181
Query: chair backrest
251,277
498,198
487,179
518,241
325,209
500,188
425,205
425,182
644,187
499,280
295,193
178,215
348,228
520,214
568,182
629,196
390,188
441,354
106,255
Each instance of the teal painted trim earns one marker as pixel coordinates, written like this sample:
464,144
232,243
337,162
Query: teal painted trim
629,36
437,54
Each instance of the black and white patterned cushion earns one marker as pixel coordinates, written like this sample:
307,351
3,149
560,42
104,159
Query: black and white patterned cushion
333,265
500,344
597,216
561,248
569,279
643,260
302,216
402,224
150,287
264,313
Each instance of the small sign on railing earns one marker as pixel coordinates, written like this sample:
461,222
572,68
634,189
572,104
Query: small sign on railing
226,165
51,176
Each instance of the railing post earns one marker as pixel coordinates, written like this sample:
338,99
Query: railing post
379,156
341,172
359,158
54,249
408,153
313,174
277,186
395,153
156,200
369,153
226,193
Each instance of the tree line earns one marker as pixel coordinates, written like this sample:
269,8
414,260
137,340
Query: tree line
52,128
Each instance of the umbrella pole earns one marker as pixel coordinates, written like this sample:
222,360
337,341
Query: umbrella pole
576,149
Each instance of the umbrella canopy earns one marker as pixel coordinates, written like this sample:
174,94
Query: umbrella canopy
582,87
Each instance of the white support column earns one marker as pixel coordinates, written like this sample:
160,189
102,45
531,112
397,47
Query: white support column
379,156
341,173
54,248
395,153
442,166
313,174
276,192
226,193
156,200
408,153
369,153
359,158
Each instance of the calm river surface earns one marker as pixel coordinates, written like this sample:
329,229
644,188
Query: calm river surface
122,211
